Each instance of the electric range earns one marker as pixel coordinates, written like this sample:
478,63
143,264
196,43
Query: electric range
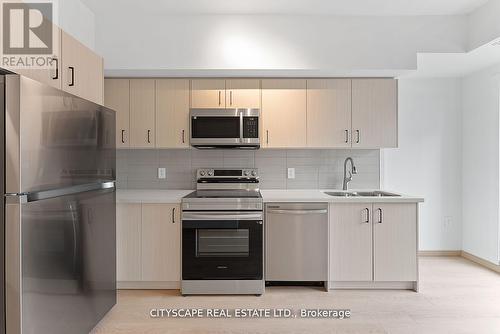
222,234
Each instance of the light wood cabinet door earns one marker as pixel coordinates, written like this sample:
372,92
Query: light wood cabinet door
82,73
172,113
117,97
284,113
350,242
161,235
91,77
374,113
142,113
128,242
395,241
243,93
329,113
51,74
208,93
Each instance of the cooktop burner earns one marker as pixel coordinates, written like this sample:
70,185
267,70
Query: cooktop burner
230,193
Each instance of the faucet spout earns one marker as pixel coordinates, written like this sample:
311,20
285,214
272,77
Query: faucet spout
353,171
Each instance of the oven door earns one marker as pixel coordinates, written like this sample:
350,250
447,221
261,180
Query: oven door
222,246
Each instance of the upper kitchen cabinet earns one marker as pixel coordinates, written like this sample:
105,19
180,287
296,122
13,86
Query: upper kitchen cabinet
374,113
208,93
82,73
51,75
329,113
117,97
142,113
243,93
284,104
172,113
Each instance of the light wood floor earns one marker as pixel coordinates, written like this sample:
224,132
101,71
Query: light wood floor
457,296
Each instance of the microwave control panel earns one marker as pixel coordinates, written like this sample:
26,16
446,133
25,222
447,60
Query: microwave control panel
250,127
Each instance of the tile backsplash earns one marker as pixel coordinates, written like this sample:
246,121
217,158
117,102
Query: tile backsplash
314,169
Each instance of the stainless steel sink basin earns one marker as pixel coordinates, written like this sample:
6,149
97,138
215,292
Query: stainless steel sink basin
376,193
341,194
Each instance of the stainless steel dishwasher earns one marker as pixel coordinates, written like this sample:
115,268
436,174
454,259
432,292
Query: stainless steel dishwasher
296,242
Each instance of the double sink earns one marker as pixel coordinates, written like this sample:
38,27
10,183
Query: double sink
376,193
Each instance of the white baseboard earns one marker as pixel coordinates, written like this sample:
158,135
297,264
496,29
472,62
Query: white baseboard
478,260
440,253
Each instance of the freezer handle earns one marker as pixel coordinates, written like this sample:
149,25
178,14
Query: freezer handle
47,194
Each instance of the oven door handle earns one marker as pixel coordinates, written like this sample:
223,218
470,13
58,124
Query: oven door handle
221,216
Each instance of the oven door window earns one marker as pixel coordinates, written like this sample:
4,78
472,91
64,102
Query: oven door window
222,242
215,127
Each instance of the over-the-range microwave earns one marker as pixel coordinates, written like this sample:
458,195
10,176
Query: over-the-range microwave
225,128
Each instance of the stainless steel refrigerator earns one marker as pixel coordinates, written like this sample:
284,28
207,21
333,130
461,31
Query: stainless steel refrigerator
58,228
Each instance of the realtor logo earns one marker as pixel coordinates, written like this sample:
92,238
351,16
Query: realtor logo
27,28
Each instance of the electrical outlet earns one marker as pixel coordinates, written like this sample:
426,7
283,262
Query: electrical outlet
448,222
162,173
291,173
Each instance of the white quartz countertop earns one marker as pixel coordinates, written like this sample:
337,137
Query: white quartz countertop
315,195
150,196
299,195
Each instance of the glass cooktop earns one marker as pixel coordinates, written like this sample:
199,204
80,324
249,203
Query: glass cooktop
224,194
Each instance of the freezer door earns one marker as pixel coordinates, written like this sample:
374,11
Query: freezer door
54,139
61,260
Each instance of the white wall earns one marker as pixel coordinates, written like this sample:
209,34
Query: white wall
480,161
428,160
319,44
77,20
484,24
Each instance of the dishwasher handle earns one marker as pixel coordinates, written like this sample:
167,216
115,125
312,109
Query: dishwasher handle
298,212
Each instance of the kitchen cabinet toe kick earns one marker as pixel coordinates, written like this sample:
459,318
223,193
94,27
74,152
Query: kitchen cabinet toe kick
371,285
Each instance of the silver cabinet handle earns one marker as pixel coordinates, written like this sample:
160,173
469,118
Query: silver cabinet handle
298,212
346,136
380,216
219,97
357,136
367,221
267,136
231,97
183,138
173,215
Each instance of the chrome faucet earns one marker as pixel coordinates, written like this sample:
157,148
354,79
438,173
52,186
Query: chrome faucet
348,179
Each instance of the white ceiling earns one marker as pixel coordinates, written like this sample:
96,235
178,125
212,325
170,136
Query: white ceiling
286,7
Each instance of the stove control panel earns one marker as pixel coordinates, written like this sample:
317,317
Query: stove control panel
227,173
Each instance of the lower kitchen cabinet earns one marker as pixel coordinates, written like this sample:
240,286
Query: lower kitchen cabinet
373,245
128,242
350,242
395,242
148,246
161,242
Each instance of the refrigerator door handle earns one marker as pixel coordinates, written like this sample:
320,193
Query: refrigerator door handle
21,198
